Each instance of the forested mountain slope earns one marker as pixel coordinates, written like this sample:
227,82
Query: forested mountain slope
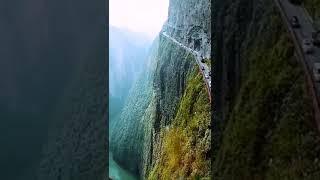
264,121
164,129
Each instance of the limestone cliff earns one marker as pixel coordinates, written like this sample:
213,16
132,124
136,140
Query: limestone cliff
190,22
164,128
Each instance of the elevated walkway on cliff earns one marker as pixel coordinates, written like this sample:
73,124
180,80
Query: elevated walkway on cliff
203,67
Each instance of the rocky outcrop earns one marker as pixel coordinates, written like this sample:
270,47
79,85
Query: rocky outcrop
190,23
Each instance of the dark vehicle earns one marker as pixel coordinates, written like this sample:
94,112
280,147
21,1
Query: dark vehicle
209,73
316,38
295,22
307,46
203,60
202,68
296,2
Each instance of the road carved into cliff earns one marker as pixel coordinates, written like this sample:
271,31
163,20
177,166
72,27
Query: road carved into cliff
204,69
287,11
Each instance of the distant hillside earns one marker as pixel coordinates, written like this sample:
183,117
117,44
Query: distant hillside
127,56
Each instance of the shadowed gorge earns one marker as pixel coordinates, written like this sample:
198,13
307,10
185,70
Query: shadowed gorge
46,48
127,59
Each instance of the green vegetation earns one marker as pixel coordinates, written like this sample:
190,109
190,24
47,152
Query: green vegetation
313,7
208,62
270,133
164,124
186,144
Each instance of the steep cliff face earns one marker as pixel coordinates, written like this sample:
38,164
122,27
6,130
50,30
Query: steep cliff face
181,148
127,131
169,101
264,118
190,22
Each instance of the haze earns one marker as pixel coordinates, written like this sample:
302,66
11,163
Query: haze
144,16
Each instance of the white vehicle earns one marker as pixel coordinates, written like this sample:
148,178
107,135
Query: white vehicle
316,71
307,46
209,84
207,77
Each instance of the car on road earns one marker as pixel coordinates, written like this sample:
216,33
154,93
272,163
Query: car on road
202,68
296,2
202,60
307,46
316,38
294,22
209,73
316,71
206,76
209,84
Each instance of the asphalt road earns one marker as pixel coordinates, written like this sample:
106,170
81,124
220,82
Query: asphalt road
172,26
204,71
304,32
288,10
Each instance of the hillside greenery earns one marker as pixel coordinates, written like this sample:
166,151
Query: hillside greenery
270,133
186,143
313,7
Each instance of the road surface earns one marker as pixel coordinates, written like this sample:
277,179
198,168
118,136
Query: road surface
172,26
288,10
204,69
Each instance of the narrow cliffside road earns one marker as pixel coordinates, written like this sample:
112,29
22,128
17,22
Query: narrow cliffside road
204,69
288,10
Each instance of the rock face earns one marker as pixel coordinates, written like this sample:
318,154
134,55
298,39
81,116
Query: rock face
190,23
169,91
127,132
264,127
